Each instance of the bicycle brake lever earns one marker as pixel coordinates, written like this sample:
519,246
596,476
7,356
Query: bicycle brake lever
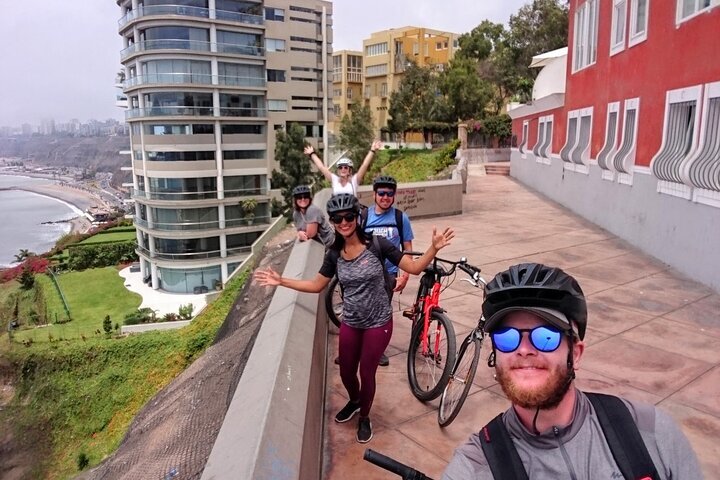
471,282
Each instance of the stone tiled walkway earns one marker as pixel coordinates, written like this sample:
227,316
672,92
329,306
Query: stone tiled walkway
653,334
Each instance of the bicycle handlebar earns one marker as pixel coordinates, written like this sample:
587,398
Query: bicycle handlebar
473,271
393,466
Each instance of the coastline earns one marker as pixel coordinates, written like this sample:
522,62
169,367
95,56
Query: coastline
77,199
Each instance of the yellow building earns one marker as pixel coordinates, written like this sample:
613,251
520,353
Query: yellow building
387,54
347,75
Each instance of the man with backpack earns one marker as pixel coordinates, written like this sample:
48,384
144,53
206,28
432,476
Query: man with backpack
384,220
536,317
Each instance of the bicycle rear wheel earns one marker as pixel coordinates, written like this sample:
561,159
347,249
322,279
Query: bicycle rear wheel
458,386
334,301
428,372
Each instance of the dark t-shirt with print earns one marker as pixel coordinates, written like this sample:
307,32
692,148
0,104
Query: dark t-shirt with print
365,300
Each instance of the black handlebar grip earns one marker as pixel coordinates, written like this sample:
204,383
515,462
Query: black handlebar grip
393,466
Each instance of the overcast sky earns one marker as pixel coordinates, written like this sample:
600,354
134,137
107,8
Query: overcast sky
58,59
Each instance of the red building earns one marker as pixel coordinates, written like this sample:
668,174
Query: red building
633,141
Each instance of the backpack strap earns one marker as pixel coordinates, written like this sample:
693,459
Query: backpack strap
623,437
399,225
376,249
502,456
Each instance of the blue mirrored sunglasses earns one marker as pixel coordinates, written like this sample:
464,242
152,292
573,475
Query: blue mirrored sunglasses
385,193
544,338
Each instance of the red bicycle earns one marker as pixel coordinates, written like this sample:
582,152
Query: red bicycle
431,354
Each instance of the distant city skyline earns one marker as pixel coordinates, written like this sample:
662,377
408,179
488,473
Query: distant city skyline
64,55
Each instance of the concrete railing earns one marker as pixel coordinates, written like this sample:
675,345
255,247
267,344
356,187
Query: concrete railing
274,425
273,428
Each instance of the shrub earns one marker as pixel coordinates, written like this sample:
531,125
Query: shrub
141,315
82,461
170,317
107,324
26,279
186,311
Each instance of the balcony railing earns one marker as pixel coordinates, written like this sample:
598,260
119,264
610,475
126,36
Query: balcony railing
195,226
185,111
250,50
230,252
241,112
166,44
186,11
181,196
194,79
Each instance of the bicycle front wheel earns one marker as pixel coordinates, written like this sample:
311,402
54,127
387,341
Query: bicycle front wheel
461,378
429,370
334,301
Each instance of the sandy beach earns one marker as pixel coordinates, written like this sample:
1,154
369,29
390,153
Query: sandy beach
79,198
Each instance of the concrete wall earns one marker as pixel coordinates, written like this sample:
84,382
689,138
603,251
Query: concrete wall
273,427
423,199
678,232
485,155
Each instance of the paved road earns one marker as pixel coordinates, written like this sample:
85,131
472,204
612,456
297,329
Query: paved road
653,334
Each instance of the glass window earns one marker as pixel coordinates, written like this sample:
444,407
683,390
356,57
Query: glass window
617,40
275,75
275,14
244,154
243,129
638,19
277,105
274,45
240,43
180,156
176,71
585,35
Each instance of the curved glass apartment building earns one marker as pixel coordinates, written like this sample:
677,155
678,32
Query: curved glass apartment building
208,82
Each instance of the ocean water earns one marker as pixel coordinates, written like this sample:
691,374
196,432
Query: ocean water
22,215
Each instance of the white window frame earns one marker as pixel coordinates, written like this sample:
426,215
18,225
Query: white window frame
585,152
698,10
523,143
630,104
679,96
703,195
585,36
614,107
635,37
619,7
544,143
570,143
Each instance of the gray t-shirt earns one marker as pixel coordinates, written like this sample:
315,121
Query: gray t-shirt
313,214
583,444
365,300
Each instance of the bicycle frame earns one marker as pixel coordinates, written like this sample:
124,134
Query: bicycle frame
428,299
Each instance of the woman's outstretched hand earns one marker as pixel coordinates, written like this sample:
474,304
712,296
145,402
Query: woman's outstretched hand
376,145
441,240
309,150
267,277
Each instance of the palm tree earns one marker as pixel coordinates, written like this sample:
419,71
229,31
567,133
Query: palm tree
24,253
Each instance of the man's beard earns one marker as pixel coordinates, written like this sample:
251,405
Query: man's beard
547,396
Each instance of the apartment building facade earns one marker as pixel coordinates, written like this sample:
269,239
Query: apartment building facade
208,83
347,78
388,53
633,142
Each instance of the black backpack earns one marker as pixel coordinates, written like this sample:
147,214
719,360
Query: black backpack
621,434
398,223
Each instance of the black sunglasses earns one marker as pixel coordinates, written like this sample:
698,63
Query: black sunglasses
386,193
348,217
302,195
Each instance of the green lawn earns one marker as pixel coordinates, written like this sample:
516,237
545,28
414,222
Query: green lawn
120,236
414,166
55,308
91,294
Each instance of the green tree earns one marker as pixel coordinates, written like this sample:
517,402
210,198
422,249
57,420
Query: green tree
26,278
107,324
538,27
23,254
295,168
418,104
357,133
467,94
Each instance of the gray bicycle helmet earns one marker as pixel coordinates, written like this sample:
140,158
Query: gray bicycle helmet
549,292
344,162
343,202
301,190
384,181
